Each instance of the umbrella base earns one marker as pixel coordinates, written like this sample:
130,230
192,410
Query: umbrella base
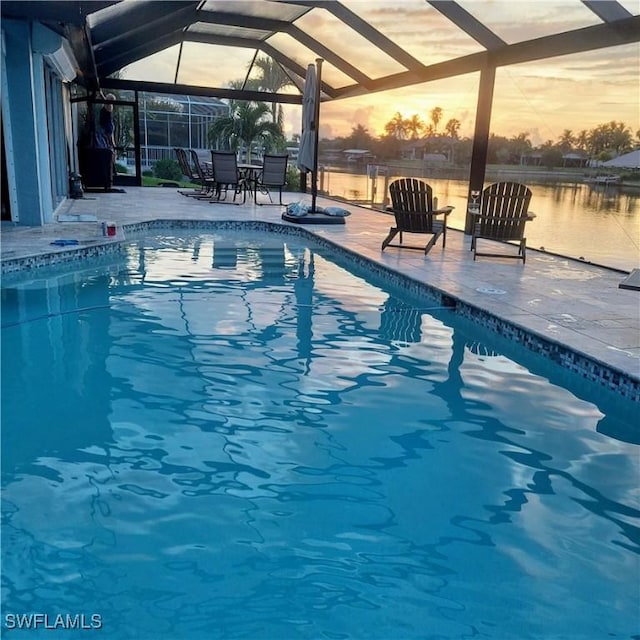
313,217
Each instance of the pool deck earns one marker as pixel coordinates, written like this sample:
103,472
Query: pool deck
569,302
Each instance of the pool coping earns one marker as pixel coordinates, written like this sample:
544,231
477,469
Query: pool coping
586,366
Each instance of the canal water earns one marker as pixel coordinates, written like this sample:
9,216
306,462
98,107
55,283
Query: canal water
600,224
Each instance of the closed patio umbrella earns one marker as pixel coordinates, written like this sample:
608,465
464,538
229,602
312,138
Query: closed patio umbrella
307,151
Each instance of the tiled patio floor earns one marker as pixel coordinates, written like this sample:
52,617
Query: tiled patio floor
569,302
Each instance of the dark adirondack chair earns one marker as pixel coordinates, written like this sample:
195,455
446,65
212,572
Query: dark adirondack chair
412,205
503,213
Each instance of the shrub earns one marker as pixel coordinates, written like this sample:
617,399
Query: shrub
629,176
120,168
167,169
293,178
551,157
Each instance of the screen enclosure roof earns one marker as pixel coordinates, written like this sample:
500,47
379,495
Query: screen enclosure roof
202,47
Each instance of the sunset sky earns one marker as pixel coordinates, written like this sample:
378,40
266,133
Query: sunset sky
541,98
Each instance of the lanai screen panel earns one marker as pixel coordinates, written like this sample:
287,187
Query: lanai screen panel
419,29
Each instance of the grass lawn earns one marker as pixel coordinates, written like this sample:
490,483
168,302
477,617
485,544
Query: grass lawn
157,182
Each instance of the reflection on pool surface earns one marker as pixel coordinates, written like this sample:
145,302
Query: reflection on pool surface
226,436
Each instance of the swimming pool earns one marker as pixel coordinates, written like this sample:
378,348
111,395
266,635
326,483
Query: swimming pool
236,436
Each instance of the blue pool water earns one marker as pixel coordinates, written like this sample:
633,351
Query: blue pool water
225,436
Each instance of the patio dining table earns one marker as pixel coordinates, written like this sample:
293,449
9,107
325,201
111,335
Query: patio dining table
249,173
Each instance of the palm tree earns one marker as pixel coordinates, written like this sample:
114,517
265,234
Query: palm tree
452,127
610,138
360,138
396,127
620,137
436,116
520,146
246,124
414,126
582,140
272,78
566,141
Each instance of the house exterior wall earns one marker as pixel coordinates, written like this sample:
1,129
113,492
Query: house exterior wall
37,177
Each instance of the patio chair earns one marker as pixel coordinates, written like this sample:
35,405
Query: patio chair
227,175
190,173
273,176
412,204
503,213
205,176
